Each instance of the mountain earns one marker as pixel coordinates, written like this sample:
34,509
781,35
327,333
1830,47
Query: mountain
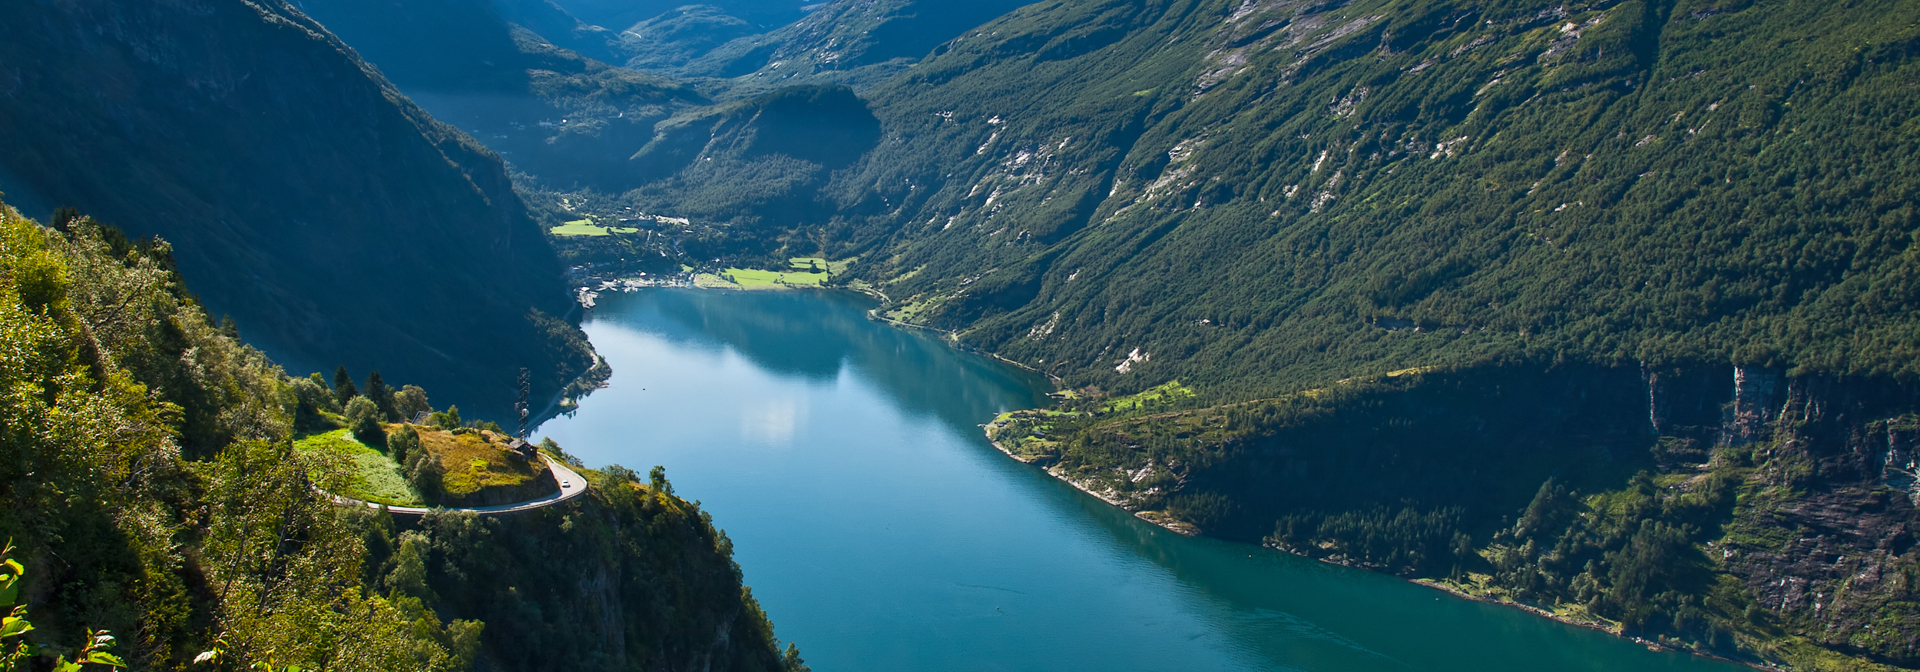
856,43
567,119
333,219
1604,307
154,491
756,15
669,41
769,155
1265,196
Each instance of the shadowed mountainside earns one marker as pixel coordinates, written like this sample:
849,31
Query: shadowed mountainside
332,218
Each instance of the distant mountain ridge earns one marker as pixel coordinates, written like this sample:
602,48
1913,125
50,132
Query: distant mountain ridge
331,217
858,44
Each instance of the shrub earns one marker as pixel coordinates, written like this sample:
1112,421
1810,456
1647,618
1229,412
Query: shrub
403,444
363,417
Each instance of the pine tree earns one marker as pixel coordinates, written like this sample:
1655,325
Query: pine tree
64,217
382,397
343,388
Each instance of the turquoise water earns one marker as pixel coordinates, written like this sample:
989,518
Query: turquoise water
882,532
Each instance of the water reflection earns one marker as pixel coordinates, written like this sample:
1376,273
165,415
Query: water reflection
807,335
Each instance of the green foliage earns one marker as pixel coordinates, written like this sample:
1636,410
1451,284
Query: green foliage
363,417
425,474
1630,555
382,397
790,660
1403,540
486,425
655,555
312,404
16,653
154,456
402,444
657,481
564,340
343,465
343,389
449,420
410,402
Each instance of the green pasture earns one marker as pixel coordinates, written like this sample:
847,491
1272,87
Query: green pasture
747,278
586,227
367,474
820,264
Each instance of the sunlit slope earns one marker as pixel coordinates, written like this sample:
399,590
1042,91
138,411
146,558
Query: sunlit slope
151,456
1256,195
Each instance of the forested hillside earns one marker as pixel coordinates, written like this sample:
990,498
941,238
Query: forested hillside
152,491
333,219
1265,195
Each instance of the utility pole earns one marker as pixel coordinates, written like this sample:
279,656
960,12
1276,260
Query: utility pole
525,391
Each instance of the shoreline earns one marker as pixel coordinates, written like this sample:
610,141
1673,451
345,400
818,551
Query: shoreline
1591,625
1186,530
1155,517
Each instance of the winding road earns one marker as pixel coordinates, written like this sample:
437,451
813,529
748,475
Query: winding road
572,485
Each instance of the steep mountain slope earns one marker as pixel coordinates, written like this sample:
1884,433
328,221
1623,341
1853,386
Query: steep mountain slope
569,120
758,15
767,157
853,42
152,490
1271,194
332,218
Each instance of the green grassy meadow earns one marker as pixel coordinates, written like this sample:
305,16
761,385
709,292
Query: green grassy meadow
586,227
368,474
821,263
746,278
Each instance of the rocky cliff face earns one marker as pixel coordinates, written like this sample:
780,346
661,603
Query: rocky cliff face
1826,539
333,219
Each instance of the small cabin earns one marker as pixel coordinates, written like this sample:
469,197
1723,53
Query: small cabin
526,450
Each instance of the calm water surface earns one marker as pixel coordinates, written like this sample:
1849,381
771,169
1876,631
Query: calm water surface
882,532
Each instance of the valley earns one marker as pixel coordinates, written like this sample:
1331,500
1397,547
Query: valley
1068,334
1468,282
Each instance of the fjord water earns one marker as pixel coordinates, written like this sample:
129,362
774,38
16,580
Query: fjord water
881,531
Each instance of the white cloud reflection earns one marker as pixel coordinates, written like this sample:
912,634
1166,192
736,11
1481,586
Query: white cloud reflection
772,421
